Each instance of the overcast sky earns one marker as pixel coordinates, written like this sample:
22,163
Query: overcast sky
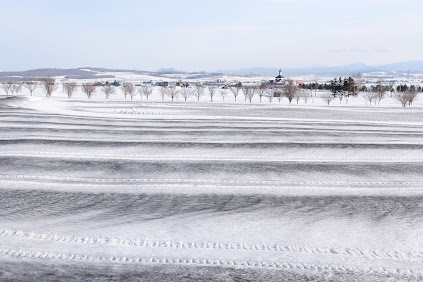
208,35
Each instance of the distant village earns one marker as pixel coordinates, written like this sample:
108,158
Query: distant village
278,82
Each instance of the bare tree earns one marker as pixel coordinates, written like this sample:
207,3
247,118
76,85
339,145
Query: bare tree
128,88
139,90
249,92
30,85
185,92
199,91
6,86
246,92
147,91
12,88
270,94
108,90
379,90
298,96
88,88
224,93
261,90
163,91
236,89
278,94
172,92
212,91
69,88
402,98
406,97
411,96
132,92
305,96
290,90
369,97
17,87
328,97
48,84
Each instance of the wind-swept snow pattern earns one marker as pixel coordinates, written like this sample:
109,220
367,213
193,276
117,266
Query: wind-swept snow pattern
199,191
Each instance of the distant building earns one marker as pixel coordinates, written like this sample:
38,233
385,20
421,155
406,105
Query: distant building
162,83
279,81
115,83
182,84
280,78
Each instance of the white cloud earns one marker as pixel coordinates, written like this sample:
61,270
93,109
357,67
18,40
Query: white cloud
382,50
358,50
342,50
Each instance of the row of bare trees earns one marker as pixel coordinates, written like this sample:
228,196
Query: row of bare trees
378,92
11,87
199,90
47,84
289,90
406,98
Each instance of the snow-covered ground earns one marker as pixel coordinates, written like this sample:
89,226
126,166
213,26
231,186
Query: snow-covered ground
124,188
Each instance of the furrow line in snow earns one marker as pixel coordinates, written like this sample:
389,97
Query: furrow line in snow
202,189
206,157
176,117
209,188
268,264
219,181
397,255
203,141
225,130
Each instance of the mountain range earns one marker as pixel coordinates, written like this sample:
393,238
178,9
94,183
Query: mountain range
395,69
403,67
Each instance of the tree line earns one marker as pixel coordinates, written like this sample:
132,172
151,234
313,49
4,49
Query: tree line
336,88
346,87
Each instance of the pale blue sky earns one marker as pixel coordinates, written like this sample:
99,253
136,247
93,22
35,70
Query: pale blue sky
207,35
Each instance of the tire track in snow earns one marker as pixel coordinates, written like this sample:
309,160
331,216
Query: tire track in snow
397,255
267,264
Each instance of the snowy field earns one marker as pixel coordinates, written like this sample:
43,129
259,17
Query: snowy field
195,191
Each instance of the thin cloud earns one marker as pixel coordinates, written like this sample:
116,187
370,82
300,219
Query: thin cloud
358,50
343,50
382,50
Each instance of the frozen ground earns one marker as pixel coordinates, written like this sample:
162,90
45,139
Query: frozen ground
197,191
